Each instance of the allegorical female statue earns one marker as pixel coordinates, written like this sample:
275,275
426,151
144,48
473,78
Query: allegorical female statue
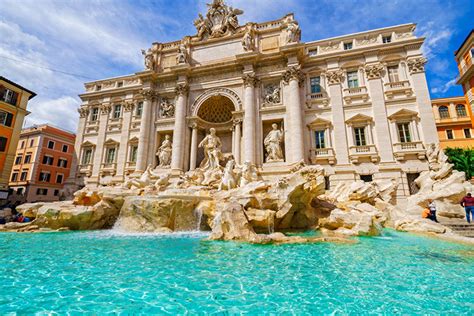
212,151
273,144
164,152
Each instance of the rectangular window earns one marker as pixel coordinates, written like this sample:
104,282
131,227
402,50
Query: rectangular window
139,109
28,158
119,84
62,163
9,96
348,46
18,160
32,142
404,132
386,39
312,52
24,175
48,160
315,83
359,134
3,144
352,79
117,111
6,118
133,153
65,148
467,133
56,192
320,139
22,145
94,114
59,178
98,87
449,134
14,176
366,177
50,144
110,157
87,156
393,74
44,176
40,191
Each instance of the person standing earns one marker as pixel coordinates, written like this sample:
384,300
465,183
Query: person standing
432,208
468,203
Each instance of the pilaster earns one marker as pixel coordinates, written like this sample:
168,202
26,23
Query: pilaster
179,131
122,157
250,118
99,151
144,136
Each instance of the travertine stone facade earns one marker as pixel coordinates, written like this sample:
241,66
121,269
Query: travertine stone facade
356,104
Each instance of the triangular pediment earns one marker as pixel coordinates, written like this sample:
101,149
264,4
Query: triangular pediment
403,113
110,141
359,118
133,140
319,122
87,144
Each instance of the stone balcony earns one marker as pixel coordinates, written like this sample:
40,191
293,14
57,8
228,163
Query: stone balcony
398,88
108,169
86,169
358,153
401,150
114,125
352,94
322,155
317,99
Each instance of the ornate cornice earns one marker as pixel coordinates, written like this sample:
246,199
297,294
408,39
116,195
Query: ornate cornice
105,108
416,64
250,80
83,111
293,73
374,71
334,77
182,89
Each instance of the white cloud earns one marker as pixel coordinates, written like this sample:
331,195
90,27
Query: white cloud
448,85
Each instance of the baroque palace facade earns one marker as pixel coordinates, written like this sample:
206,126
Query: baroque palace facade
357,104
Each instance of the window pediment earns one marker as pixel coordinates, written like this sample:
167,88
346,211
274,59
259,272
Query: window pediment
403,114
87,144
359,119
320,122
111,142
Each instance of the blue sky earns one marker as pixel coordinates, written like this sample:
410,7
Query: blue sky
97,39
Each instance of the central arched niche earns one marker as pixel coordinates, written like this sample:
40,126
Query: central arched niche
216,109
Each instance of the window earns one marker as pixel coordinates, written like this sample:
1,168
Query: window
40,191
27,158
48,160
386,39
56,192
312,52
50,144
117,111
461,110
6,118
404,132
366,177
87,156
59,178
467,133
18,160
98,87
14,176
352,79
119,84
32,142
3,144
359,133
94,114
22,145
139,109
449,134
44,176
393,74
23,175
110,156
315,83
62,163
443,112
8,96
320,139
19,191
133,153
348,46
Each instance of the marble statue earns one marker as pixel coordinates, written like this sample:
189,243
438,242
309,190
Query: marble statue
166,108
162,182
164,152
149,59
219,21
212,151
248,173
248,40
202,26
293,31
273,144
142,182
182,57
229,180
272,94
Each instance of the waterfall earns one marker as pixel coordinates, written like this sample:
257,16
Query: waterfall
198,214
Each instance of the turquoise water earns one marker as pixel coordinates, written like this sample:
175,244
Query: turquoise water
100,272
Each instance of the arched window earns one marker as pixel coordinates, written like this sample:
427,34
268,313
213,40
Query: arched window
443,112
461,110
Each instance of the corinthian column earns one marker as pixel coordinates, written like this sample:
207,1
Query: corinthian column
250,117
194,146
293,77
144,136
179,127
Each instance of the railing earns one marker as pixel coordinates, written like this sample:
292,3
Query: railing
398,85
106,165
409,146
355,90
131,164
322,152
366,149
85,168
318,95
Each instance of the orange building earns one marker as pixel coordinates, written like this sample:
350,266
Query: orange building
42,164
454,122
13,102
464,56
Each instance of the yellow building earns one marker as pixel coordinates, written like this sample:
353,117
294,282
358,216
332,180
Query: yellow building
464,56
13,102
454,122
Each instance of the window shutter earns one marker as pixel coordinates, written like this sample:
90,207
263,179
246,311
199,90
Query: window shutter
9,120
14,98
